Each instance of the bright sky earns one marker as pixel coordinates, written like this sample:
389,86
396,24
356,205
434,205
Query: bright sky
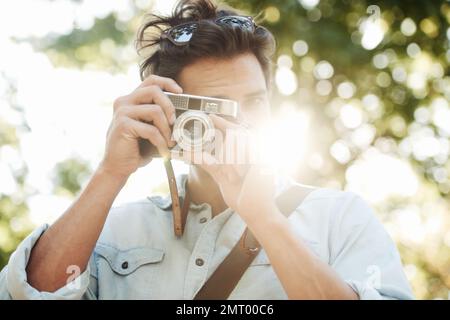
69,112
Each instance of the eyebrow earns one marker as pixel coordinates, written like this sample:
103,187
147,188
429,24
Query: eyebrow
249,95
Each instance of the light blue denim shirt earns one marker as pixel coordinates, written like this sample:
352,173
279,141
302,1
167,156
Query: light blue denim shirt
138,256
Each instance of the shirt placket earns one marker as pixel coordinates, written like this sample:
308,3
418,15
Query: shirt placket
202,254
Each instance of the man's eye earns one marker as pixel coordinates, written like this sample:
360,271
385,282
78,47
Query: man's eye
254,102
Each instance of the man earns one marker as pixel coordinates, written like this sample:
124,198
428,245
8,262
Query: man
330,247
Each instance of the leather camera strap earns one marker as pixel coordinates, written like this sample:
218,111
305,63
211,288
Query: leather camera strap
227,275
179,213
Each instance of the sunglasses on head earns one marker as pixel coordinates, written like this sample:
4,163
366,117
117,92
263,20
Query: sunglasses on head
181,34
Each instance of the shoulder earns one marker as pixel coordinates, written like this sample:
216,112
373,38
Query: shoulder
338,201
332,208
132,213
343,214
328,219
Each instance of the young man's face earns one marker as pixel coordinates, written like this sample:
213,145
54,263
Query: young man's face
240,78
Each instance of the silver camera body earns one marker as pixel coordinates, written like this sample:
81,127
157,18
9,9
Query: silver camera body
193,130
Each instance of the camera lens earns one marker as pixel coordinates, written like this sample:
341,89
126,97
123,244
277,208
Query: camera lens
193,130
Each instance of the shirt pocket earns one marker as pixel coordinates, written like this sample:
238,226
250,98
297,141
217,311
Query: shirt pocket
130,273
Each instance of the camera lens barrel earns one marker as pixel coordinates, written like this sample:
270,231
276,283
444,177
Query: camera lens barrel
193,130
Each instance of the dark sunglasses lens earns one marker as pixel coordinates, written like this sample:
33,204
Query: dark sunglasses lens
183,34
240,22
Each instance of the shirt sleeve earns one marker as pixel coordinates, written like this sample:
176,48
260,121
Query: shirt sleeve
363,253
14,284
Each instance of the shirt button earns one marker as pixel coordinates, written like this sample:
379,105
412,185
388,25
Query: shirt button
203,220
125,265
199,262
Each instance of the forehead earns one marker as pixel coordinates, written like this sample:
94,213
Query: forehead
233,78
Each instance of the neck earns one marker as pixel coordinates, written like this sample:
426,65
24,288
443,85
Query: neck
203,188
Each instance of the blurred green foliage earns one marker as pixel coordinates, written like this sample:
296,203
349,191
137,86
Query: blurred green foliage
416,34
70,175
96,46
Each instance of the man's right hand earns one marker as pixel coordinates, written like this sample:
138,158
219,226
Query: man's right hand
146,113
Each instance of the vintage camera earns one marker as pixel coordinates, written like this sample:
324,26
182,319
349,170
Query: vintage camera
193,130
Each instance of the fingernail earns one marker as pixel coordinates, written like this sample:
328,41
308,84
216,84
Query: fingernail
172,118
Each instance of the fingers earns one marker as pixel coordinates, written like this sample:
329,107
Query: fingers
232,141
232,174
150,91
241,169
209,164
223,173
144,114
222,124
164,83
149,132
151,113
218,171
153,95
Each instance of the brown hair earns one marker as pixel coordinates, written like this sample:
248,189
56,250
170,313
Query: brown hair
210,40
